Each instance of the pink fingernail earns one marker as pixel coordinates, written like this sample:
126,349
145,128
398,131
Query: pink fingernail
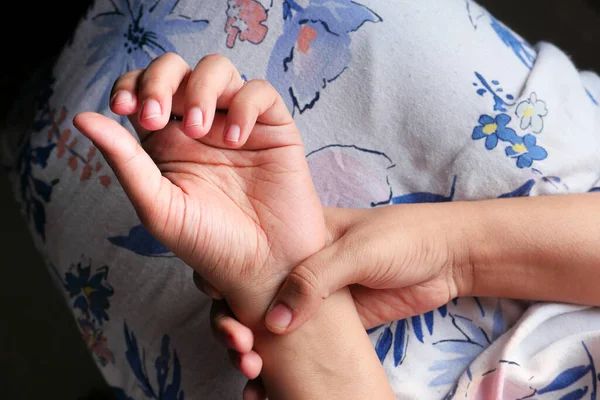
151,109
233,134
279,318
194,117
122,97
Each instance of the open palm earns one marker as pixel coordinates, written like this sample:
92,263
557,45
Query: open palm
241,214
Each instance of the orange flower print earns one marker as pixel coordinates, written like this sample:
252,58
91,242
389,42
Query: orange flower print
66,144
245,18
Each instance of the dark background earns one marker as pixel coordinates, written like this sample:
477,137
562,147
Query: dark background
41,353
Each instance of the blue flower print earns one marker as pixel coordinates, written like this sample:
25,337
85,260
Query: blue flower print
137,32
575,379
314,49
494,129
90,304
397,340
34,191
469,342
141,242
543,183
425,197
162,389
463,351
532,113
526,151
521,191
523,50
591,96
90,292
495,90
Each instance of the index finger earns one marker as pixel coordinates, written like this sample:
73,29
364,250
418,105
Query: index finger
211,85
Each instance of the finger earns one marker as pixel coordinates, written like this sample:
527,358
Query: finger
256,101
211,85
206,288
157,86
254,390
124,100
123,96
249,364
228,330
312,282
378,306
137,173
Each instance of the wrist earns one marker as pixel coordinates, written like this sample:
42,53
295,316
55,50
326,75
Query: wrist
528,248
331,352
502,255
461,234
250,299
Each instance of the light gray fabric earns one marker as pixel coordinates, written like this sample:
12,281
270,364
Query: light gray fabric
397,103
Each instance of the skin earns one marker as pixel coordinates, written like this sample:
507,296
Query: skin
235,211
228,190
404,260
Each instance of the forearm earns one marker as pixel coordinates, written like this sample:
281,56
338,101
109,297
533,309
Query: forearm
329,357
541,248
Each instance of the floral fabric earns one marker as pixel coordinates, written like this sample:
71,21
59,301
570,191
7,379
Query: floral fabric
398,102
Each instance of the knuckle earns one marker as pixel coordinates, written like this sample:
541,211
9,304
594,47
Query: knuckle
261,84
215,58
303,282
127,81
203,84
153,86
128,77
211,71
246,105
170,56
152,80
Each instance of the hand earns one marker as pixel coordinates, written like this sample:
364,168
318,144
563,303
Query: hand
229,192
399,261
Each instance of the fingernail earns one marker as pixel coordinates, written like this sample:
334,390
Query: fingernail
194,117
151,109
279,318
233,134
121,97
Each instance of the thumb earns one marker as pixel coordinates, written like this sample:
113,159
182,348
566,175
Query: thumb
137,173
311,282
